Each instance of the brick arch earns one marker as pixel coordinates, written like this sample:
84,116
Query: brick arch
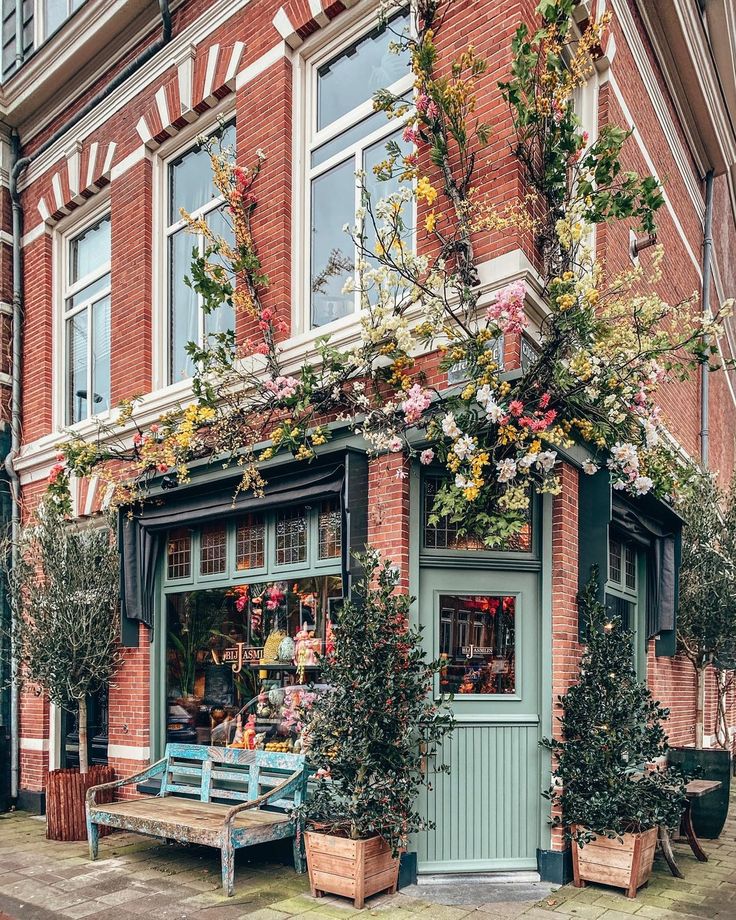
84,170
202,76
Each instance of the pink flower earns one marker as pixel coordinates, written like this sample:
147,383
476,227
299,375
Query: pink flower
426,457
416,402
507,310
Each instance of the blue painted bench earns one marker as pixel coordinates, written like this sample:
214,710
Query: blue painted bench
218,797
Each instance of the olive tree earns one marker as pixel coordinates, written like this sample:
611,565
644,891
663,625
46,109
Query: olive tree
706,621
63,589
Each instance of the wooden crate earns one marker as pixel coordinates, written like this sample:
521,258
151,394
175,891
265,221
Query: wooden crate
623,864
355,869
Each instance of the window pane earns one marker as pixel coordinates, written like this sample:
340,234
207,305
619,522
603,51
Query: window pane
291,537
55,12
101,355
213,549
249,543
76,364
614,561
190,179
330,530
90,251
183,309
333,206
179,553
477,634
355,74
223,318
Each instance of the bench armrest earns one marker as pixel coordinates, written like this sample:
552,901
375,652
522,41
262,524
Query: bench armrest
153,770
290,784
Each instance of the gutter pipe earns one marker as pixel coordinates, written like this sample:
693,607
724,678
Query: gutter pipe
19,164
704,367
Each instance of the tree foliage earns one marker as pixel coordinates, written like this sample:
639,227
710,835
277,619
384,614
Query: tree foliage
371,735
607,775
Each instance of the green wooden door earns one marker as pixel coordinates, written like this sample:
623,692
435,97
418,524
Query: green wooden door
486,626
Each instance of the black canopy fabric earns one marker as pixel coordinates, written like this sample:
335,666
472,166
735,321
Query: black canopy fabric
657,536
141,533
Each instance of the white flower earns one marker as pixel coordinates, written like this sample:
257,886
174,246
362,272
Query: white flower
642,484
449,426
395,444
506,470
546,460
464,447
589,467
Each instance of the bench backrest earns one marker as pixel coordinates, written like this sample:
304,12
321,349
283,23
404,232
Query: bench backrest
218,774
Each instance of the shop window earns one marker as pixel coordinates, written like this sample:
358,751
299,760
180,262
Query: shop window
86,322
246,651
477,643
444,535
190,186
250,543
330,530
345,136
179,554
291,536
213,550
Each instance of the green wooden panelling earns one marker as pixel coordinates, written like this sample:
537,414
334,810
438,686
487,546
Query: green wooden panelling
487,808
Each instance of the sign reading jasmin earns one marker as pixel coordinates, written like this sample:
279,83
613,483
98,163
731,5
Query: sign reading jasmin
237,654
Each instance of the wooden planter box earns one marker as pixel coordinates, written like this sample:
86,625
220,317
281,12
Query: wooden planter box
352,868
66,791
610,862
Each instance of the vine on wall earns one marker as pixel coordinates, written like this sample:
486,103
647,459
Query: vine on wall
605,347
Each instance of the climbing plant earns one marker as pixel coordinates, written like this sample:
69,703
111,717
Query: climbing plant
604,346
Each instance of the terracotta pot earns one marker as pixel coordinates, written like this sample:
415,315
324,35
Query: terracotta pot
610,862
66,791
352,868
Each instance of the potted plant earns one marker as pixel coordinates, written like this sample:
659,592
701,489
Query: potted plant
612,787
369,738
63,591
706,632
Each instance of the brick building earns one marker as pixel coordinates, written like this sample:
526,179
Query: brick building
102,105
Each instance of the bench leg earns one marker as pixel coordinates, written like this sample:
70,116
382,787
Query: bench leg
93,836
299,860
228,868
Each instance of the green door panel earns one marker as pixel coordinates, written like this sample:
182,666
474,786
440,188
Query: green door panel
487,809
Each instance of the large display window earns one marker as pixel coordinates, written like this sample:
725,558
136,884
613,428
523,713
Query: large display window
248,610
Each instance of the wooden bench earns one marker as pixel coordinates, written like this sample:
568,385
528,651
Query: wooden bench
214,796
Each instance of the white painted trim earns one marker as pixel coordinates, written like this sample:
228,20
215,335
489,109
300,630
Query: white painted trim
129,752
652,168
655,95
34,744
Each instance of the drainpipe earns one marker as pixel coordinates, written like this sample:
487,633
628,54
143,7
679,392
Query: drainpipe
707,271
19,163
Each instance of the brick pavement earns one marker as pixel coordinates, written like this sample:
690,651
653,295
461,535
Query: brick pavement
139,879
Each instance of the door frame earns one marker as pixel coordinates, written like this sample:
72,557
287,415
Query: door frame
543,564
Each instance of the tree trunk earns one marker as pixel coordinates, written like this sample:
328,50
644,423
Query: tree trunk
700,708
83,757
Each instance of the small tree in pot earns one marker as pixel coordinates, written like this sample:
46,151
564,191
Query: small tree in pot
612,786
706,633
64,594
370,737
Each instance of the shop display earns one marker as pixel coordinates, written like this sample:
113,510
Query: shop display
240,660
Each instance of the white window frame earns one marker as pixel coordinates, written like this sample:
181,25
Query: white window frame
62,290
314,54
169,151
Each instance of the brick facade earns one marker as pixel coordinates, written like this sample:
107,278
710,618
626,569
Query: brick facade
118,158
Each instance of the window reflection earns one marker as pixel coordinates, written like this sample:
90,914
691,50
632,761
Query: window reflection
477,637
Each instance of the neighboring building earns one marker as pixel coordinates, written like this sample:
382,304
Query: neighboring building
107,101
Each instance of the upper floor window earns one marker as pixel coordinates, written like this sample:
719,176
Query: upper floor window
190,186
86,298
345,135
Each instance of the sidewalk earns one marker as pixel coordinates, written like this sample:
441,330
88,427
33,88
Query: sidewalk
137,878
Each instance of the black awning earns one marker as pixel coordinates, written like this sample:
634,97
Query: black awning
141,533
